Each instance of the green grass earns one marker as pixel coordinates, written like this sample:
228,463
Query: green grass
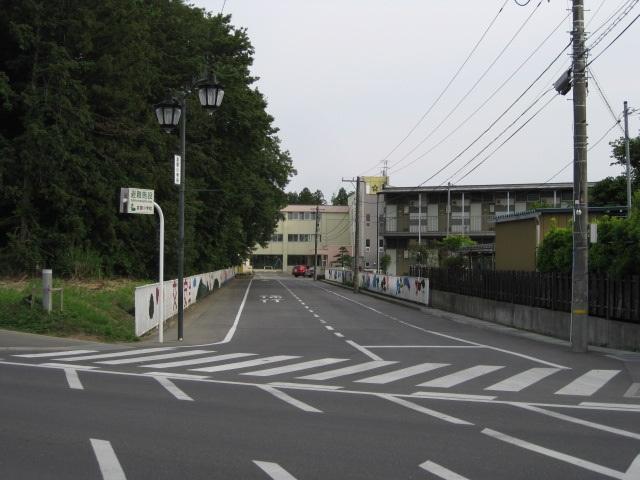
97,310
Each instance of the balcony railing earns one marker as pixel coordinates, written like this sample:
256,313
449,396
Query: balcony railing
476,224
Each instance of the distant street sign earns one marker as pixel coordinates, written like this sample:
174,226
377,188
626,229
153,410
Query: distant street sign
176,171
136,200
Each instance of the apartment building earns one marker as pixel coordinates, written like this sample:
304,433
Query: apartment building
420,215
294,241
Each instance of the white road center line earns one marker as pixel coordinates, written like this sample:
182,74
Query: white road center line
338,334
328,327
275,471
55,354
148,358
523,379
589,383
426,411
440,471
295,367
360,348
125,353
245,364
196,361
402,373
289,399
72,379
587,465
462,376
340,372
107,460
233,328
173,389
424,346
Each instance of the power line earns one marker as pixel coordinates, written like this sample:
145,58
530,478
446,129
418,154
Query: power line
446,88
473,87
625,8
486,130
508,138
487,100
540,97
614,40
604,98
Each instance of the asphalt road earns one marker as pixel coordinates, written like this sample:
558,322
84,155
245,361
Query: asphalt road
287,378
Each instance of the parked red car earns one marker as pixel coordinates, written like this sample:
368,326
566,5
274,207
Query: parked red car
299,270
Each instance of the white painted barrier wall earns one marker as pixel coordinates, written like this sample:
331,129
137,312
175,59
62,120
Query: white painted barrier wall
147,297
415,289
339,275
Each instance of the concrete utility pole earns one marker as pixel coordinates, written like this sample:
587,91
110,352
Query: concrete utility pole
580,277
183,181
356,261
627,156
315,256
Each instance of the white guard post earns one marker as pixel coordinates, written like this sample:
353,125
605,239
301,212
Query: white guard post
161,273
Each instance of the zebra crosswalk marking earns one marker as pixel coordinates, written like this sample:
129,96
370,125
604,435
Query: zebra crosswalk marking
54,354
340,372
461,376
295,367
147,358
589,383
196,361
125,353
523,379
402,373
247,363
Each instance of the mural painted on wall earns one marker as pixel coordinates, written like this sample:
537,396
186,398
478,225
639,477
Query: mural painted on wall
339,275
147,297
415,289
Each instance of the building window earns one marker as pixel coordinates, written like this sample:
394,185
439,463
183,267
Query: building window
367,242
300,237
381,243
368,217
276,237
296,260
301,215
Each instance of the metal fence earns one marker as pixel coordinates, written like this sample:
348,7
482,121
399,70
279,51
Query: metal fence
614,298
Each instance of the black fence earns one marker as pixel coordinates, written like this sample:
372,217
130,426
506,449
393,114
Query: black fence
614,298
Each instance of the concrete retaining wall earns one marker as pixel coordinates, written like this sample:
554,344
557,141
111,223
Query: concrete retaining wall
602,332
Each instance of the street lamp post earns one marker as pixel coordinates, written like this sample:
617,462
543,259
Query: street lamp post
169,114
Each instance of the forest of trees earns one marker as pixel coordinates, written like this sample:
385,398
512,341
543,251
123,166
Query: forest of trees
77,84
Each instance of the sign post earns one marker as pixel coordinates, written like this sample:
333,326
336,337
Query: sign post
140,201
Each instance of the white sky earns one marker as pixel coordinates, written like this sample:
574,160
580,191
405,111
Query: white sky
346,80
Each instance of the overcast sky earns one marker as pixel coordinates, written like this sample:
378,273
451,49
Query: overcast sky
347,80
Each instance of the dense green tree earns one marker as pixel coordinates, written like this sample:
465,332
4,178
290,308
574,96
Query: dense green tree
555,251
77,83
306,197
609,191
340,198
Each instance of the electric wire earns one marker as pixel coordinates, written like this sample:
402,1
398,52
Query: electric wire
604,98
473,87
486,130
487,100
625,11
614,40
446,88
526,110
508,138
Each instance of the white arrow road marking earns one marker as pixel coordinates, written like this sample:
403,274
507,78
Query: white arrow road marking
55,354
73,379
275,471
631,474
289,399
173,389
107,460
440,471
426,411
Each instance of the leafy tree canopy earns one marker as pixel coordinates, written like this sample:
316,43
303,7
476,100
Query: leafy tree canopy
340,198
77,85
306,197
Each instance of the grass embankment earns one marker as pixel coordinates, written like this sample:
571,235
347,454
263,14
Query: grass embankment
93,310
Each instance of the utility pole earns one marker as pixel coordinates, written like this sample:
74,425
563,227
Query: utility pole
356,246
580,276
315,256
627,156
356,261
